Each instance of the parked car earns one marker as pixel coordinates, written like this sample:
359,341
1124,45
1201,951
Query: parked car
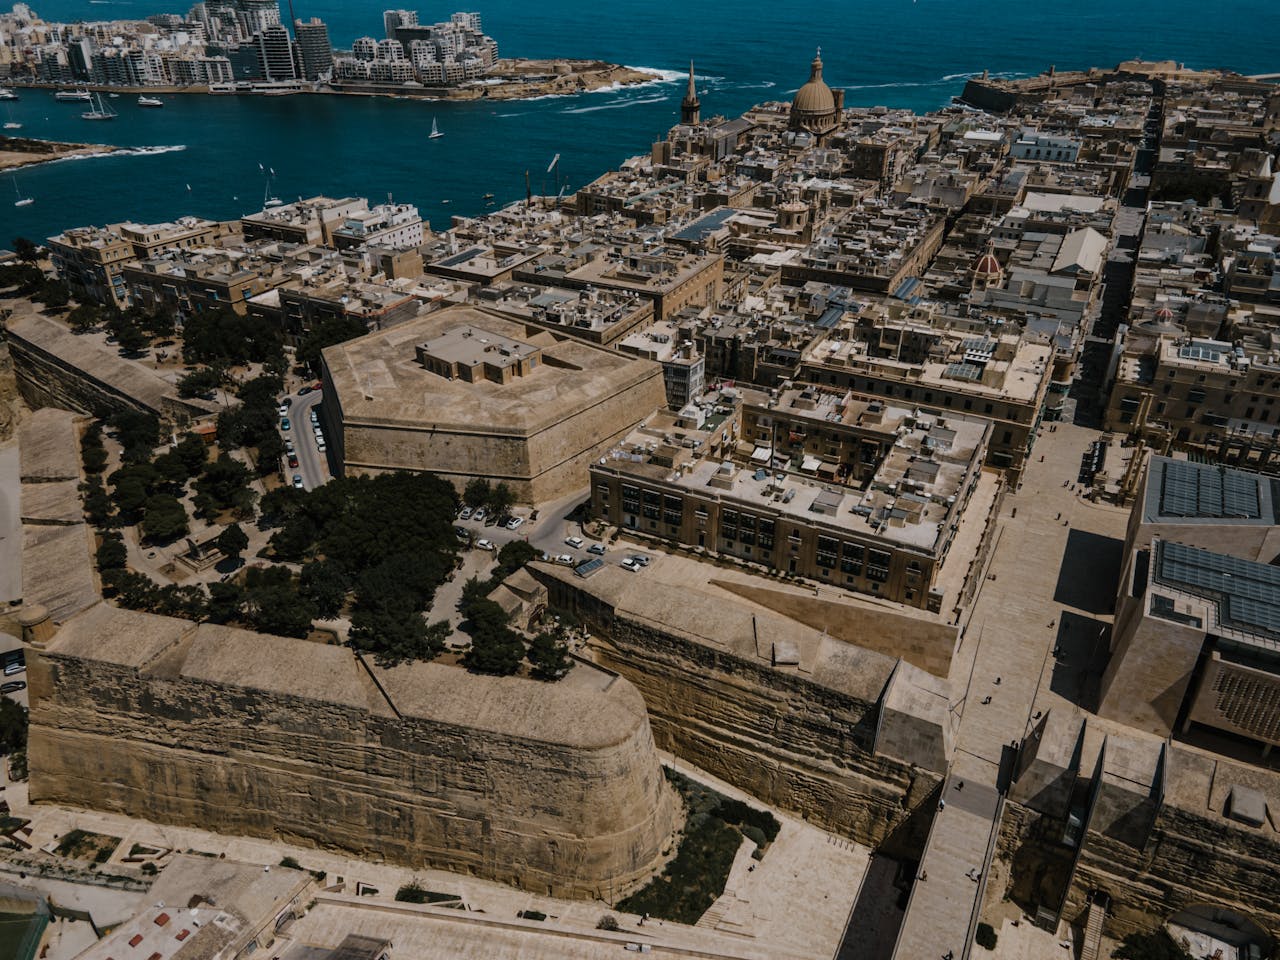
597,549
13,686
479,514
304,391
317,386
297,482
287,402
284,410
465,514
575,542
566,559
514,523
320,444
285,424
288,446
639,559
631,565
461,532
18,666
293,461
315,417
485,544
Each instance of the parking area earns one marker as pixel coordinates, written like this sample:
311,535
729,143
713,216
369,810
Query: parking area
306,448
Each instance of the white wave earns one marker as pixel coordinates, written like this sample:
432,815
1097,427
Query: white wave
125,152
616,106
510,115
660,75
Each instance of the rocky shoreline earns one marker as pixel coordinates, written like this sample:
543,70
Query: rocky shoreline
19,152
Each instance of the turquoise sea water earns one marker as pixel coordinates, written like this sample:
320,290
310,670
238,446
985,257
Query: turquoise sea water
894,52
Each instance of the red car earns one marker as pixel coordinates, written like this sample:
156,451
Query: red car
293,461
317,386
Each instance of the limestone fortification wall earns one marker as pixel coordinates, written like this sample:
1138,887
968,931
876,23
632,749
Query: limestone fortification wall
804,743
264,736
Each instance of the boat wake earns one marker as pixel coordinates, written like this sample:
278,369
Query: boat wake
616,106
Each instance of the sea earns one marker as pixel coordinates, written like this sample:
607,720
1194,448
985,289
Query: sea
211,156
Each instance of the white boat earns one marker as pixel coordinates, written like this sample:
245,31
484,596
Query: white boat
21,201
13,125
73,96
435,133
145,101
114,96
101,112
7,94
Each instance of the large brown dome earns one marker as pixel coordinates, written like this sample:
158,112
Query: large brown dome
815,109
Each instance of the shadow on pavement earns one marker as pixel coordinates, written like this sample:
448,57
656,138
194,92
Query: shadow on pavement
1089,572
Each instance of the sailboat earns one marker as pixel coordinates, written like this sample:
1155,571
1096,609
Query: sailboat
435,133
102,112
11,124
21,201
267,199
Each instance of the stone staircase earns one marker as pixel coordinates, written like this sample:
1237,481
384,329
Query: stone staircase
716,912
1093,932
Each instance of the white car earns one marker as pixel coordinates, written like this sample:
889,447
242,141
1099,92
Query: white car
284,411
465,514
297,482
514,523
484,544
566,559
320,444
639,559
479,514
575,542
630,565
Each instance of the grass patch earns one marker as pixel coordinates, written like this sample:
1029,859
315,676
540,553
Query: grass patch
713,833
83,845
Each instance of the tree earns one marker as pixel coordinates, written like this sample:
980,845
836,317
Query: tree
232,541
325,585
326,333
164,518
132,340
512,557
84,317
474,591
97,505
13,726
171,469
27,251
270,448
476,493
112,554
396,633
224,602
92,453
138,433
199,383
549,655
225,482
193,451
54,294
495,648
501,500
273,604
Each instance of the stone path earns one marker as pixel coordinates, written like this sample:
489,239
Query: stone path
10,526
1053,575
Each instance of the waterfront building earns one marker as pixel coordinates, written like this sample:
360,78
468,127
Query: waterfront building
315,53
276,53
310,221
257,15
397,226
364,48
393,20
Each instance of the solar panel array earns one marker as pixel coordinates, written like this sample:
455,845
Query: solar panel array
1251,591
963,371
1195,490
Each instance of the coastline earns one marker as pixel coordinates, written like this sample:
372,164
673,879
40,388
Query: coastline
511,79
19,152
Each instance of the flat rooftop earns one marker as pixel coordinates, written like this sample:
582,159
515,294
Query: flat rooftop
1179,491
379,381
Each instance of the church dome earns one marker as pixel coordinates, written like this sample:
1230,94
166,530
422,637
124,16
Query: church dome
814,99
987,265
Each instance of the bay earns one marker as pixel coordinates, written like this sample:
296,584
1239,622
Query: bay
897,53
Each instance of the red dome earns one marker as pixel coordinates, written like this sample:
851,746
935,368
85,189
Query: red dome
987,265
1164,313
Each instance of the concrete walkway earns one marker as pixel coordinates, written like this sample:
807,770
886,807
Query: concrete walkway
10,525
1054,575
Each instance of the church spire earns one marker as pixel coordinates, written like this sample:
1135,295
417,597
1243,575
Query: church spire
690,108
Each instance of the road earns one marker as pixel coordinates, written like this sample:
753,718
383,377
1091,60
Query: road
313,466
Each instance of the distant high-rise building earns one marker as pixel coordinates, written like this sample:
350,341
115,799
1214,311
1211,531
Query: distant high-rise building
275,52
392,20
365,48
470,21
314,50
257,15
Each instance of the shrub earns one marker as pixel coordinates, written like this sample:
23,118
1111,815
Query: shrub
607,922
531,915
290,862
754,834
412,892
150,869
986,936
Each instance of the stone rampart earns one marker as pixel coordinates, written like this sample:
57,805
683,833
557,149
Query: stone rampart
809,738
552,787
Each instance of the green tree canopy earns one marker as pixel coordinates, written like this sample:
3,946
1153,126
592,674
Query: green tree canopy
549,654
164,518
199,383
495,647
326,333
232,541
13,725
476,492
